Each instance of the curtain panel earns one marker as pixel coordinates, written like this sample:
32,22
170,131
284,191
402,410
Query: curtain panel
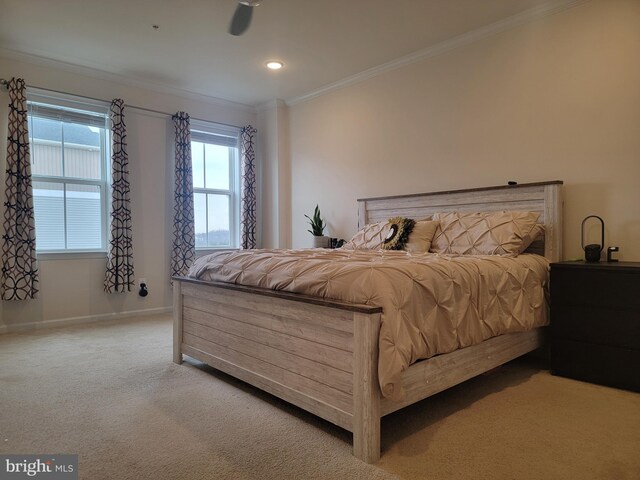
19,279
119,275
248,198
184,241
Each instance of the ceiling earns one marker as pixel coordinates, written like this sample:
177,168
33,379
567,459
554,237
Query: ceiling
320,41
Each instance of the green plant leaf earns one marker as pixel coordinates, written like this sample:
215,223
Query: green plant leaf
317,224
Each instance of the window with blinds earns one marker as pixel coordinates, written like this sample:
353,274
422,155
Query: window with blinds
216,195
69,167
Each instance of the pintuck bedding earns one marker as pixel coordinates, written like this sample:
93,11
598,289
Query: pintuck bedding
432,303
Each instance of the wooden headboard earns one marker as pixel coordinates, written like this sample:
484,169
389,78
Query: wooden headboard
542,197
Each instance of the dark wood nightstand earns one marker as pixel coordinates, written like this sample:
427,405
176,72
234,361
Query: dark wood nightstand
595,322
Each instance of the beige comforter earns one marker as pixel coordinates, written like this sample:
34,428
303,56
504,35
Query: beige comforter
432,303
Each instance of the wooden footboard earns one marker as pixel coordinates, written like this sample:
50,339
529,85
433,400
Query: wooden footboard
319,355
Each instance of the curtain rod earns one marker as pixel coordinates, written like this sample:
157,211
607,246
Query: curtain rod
5,84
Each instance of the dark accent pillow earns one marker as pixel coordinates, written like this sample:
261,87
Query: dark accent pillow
399,230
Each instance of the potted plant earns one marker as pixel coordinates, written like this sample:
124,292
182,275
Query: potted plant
317,230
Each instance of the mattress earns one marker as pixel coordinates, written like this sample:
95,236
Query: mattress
432,303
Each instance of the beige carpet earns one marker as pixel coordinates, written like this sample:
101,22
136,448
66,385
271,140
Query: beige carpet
110,393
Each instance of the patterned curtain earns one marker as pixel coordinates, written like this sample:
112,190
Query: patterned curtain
19,280
184,239
248,207
119,276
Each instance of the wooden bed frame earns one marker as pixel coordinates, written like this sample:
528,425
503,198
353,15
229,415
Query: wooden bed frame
322,355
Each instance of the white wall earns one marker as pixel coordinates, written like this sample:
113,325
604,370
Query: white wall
557,98
73,287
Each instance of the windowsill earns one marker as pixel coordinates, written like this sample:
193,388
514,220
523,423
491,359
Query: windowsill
69,255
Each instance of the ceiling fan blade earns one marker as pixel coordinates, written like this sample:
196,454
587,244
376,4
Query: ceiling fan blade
241,19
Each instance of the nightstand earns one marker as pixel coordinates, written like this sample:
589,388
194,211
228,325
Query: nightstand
595,322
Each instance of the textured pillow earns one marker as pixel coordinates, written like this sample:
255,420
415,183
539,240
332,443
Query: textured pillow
371,237
399,229
532,237
421,236
484,233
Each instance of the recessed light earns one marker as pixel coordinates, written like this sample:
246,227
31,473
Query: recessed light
274,64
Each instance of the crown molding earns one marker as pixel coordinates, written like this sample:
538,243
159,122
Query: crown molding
540,11
131,81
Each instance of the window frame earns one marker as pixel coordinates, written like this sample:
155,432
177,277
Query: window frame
204,132
66,104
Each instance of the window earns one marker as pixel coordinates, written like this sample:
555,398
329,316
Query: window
216,202
69,168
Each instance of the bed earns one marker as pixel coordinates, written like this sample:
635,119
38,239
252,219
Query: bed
322,354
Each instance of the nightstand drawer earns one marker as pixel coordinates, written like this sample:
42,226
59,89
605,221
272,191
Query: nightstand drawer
599,325
603,364
600,288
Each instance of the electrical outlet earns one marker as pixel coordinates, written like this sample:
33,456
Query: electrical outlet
141,281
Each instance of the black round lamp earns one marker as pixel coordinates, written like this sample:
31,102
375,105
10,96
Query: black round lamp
593,250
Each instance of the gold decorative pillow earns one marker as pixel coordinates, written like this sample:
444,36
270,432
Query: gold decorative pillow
484,233
421,236
399,229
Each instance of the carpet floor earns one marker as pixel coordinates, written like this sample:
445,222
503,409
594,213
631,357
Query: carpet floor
110,393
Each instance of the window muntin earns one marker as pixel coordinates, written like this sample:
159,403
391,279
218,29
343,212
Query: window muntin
215,167
69,167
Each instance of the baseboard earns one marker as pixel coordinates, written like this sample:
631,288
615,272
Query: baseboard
62,322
